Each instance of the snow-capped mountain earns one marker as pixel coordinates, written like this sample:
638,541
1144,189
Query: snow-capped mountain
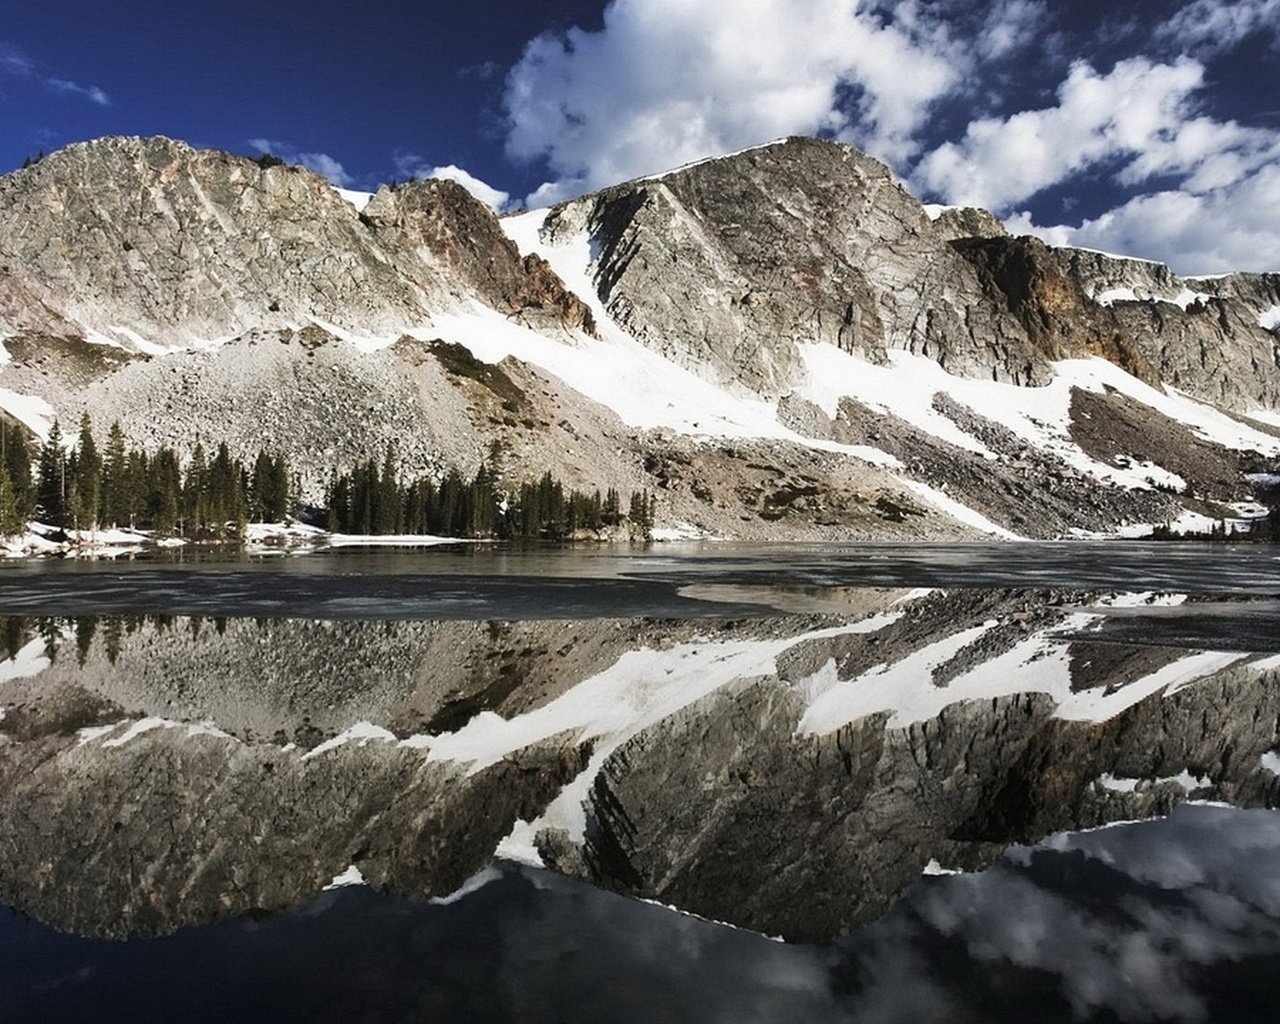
781,342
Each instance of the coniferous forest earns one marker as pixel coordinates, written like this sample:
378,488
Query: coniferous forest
211,495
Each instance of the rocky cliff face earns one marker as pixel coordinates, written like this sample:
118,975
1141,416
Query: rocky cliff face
811,241
737,809
727,265
1208,337
719,342
150,237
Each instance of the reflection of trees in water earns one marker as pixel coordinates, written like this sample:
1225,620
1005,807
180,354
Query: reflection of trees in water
17,631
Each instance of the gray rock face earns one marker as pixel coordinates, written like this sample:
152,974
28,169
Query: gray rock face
725,267
1200,335
968,222
729,264
169,831
215,791
183,245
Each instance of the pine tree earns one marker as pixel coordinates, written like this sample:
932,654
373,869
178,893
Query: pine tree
640,516
195,493
612,512
137,480
86,494
388,504
115,479
164,491
340,505
269,488
17,460
12,522
51,487
483,503
227,507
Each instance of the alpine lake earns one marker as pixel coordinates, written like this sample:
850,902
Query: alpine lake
865,783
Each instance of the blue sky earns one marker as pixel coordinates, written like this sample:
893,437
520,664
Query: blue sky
1142,126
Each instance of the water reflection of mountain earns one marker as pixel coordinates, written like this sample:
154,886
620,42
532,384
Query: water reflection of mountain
793,775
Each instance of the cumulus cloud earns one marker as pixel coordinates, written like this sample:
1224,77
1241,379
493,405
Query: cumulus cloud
1155,918
1138,124
666,82
1135,114
321,163
1232,228
16,64
670,81
414,166
1010,26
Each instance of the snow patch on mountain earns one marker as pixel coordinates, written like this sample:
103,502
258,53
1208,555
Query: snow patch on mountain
31,411
958,510
1269,319
357,199
364,342
708,160
1184,779
906,387
641,688
1182,299
645,389
30,660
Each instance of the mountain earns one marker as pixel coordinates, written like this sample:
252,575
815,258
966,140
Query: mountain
781,342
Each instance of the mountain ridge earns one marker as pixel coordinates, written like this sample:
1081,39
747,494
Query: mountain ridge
791,299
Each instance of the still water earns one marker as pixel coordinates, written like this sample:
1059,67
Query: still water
984,782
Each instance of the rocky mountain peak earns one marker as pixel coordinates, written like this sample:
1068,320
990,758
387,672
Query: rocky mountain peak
955,222
807,241
148,238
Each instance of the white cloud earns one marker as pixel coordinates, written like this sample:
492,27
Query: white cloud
670,81
15,63
1135,114
322,163
414,166
1231,228
665,82
89,92
1010,26
1140,124
1210,27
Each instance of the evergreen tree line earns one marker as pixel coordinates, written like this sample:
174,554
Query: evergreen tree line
87,488
372,500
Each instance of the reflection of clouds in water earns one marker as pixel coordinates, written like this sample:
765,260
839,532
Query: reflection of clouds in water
1126,918
642,964
1130,921
1219,848
1171,919
1103,959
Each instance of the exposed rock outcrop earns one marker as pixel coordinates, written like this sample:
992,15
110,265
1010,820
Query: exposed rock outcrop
150,238
804,241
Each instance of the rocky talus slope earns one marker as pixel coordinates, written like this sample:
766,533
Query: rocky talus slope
779,343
